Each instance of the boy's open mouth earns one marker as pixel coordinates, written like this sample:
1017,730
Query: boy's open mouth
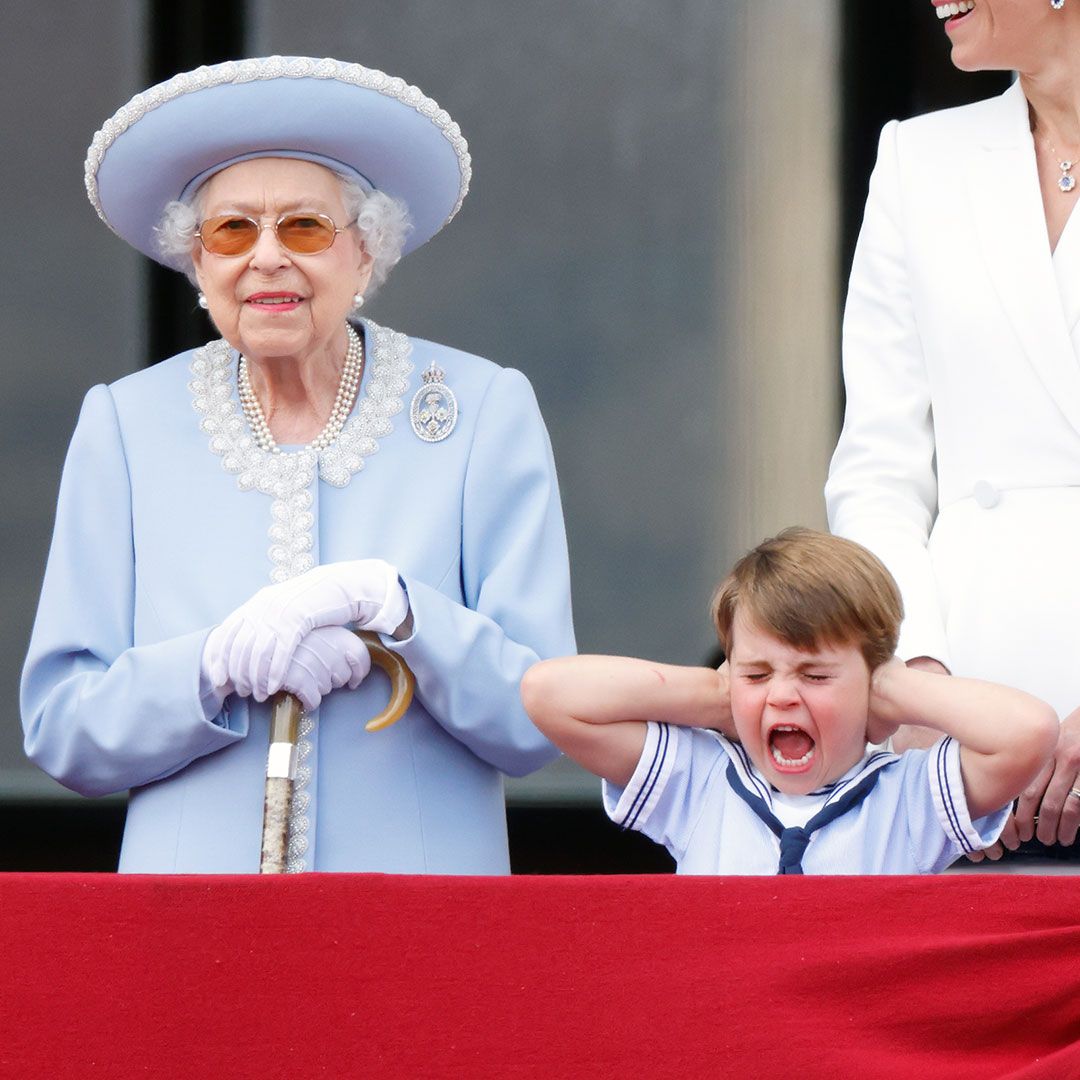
791,748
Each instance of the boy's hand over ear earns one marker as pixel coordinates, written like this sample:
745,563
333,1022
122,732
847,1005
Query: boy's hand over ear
884,718
913,736
722,720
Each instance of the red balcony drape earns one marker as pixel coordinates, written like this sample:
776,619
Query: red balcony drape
380,976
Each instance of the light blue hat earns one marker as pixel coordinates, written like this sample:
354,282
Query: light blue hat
167,140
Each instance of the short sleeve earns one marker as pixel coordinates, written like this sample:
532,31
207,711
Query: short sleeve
667,793
939,825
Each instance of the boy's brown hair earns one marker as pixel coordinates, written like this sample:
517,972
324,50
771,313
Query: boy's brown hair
809,588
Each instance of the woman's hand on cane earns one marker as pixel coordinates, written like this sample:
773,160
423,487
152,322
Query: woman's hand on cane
252,648
327,659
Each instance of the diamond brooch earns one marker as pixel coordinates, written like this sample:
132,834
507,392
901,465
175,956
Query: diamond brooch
434,410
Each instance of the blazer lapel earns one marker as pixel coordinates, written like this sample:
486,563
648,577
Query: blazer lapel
1003,191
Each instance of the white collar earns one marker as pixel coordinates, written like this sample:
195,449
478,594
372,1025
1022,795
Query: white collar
287,477
755,782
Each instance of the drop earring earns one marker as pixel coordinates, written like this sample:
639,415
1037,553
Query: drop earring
358,300
1057,5
201,301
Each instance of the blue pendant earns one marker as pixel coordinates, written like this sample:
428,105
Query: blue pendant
1067,181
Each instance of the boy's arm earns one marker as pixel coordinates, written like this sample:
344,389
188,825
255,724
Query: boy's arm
1005,735
594,708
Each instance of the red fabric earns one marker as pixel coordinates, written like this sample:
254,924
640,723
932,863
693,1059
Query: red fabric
375,976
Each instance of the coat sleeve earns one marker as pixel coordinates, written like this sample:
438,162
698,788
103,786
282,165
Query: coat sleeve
882,486
101,714
469,659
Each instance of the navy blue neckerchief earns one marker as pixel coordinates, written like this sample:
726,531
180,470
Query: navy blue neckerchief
793,841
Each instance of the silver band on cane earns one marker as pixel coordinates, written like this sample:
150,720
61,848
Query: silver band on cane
281,760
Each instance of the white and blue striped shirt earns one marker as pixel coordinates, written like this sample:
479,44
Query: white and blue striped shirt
914,821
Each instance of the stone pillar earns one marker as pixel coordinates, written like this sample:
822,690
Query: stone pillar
778,272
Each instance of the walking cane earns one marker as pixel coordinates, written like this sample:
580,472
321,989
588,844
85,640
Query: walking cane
281,761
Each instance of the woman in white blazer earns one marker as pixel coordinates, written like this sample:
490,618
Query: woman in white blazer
959,460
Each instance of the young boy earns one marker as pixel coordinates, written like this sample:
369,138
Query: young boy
762,767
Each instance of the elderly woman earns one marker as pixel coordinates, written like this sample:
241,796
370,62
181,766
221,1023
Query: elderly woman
228,517
959,461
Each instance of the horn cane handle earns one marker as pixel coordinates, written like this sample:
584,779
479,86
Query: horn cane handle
402,682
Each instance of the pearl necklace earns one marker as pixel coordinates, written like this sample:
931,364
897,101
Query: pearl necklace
351,372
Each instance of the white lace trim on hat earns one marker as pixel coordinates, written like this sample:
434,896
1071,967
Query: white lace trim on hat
275,67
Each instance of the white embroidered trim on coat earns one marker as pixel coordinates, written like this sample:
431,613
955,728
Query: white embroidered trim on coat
288,476
299,822
275,67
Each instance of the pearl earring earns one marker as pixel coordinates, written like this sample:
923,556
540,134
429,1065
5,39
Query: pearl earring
358,300
1057,5
202,302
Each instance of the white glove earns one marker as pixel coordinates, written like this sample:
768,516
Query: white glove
327,659
252,648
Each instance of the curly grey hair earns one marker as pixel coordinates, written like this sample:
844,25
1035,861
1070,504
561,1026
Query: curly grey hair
382,221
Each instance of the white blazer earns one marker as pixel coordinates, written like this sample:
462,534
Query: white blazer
959,460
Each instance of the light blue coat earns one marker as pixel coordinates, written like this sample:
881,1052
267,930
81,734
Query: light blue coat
156,541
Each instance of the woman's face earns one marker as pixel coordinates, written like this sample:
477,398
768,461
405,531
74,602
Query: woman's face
1001,35
271,303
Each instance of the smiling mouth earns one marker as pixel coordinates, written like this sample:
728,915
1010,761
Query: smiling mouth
954,12
791,748
273,300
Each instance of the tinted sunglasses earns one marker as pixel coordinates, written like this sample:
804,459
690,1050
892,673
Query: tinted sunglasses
302,234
